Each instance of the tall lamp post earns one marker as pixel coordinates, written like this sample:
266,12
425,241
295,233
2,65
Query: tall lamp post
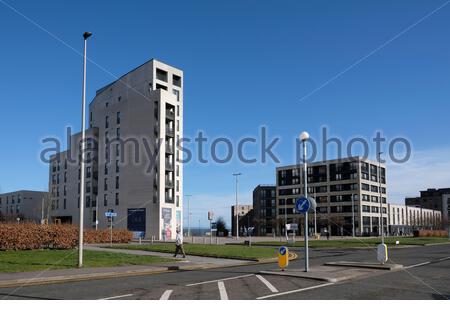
381,197
86,35
188,196
353,215
304,136
236,211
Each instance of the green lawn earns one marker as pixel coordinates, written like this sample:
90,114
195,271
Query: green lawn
215,251
358,242
32,260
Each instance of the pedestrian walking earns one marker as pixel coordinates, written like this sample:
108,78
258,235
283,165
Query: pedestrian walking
179,244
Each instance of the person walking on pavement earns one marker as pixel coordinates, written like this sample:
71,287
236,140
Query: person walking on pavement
179,245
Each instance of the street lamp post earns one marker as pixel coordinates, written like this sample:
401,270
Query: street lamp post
236,211
188,196
381,197
353,215
86,35
285,219
304,136
315,215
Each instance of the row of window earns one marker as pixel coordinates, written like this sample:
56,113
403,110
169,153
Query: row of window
13,199
12,209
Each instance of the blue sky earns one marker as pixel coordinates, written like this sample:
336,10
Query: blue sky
246,64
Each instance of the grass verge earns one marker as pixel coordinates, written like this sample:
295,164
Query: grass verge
214,251
358,242
33,260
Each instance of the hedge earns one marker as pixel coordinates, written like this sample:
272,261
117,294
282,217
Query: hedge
431,233
27,236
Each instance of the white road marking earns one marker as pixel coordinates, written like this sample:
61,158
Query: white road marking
117,297
166,295
225,279
293,291
443,259
267,283
222,291
418,265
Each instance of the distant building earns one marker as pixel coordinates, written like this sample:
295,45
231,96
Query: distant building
245,212
29,206
436,199
342,188
134,165
264,214
405,219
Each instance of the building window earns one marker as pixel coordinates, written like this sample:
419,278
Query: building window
161,75
176,80
106,168
105,200
65,204
117,166
106,122
117,182
118,132
117,199
88,201
105,184
118,118
88,172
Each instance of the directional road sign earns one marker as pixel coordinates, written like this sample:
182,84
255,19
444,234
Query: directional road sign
302,205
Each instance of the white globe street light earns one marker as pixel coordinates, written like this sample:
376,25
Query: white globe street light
304,136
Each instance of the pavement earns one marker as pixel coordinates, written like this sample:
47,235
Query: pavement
425,275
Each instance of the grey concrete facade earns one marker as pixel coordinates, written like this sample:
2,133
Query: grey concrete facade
333,184
136,169
27,205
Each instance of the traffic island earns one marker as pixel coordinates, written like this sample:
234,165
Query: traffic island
366,265
325,273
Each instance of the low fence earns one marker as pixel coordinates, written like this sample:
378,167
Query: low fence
29,236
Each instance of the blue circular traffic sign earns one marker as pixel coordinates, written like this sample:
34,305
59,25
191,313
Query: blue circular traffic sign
302,205
282,251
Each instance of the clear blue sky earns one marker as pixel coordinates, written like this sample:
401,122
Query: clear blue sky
246,63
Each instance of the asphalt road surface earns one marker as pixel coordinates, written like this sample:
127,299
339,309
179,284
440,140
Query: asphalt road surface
426,276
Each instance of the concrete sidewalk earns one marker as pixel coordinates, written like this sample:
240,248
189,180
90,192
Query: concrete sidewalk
189,258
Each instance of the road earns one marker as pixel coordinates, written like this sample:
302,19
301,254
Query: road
426,276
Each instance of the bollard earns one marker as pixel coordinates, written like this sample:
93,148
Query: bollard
140,240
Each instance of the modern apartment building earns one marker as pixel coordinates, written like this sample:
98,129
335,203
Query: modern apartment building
25,205
436,199
405,219
264,210
245,212
342,188
133,165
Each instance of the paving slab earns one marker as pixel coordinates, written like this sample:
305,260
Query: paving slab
366,265
332,274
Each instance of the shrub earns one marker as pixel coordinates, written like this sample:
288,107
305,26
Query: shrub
431,233
27,236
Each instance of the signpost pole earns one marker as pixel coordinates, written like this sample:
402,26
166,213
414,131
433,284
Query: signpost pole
304,136
110,231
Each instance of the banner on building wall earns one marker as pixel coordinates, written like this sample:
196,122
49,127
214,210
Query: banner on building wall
167,222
